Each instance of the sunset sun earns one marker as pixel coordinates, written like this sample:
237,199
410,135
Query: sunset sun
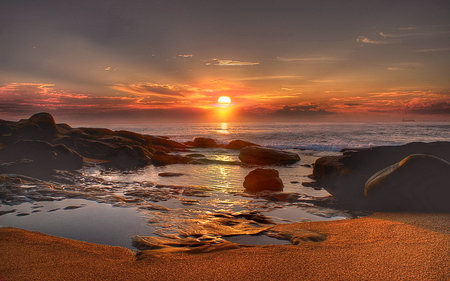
224,101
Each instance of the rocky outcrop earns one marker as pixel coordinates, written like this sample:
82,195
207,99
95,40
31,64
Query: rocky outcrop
419,182
263,179
38,145
38,158
262,156
239,144
345,177
203,143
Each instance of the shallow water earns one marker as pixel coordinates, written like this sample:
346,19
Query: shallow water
201,192
91,222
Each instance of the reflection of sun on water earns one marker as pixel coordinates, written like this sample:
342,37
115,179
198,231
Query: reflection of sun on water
223,129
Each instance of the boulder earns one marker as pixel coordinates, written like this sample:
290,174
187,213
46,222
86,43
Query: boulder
38,158
165,142
129,157
263,179
329,166
239,144
419,182
45,121
204,143
255,155
160,158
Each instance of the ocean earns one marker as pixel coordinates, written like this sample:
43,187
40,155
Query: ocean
310,136
219,186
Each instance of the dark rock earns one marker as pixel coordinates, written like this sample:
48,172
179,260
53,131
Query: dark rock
45,121
417,183
196,155
370,161
163,158
345,177
204,143
7,212
42,158
164,142
239,144
72,207
263,179
329,166
255,155
167,174
129,157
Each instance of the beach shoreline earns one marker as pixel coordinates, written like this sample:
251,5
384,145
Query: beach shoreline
385,246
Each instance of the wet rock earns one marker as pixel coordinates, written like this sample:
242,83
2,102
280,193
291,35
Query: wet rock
129,157
204,143
44,158
168,174
163,158
263,179
417,183
345,177
73,207
223,227
7,212
297,236
329,166
195,155
165,142
255,155
239,144
45,121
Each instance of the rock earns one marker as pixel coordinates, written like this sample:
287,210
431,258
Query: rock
204,143
419,182
239,144
38,158
196,155
45,121
164,142
372,160
263,179
168,174
162,158
129,157
329,166
345,176
255,155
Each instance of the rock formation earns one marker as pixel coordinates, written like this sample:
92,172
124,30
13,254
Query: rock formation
263,156
263,179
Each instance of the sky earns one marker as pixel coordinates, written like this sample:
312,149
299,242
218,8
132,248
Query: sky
143,61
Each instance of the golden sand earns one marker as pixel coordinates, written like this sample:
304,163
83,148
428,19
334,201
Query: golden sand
385,246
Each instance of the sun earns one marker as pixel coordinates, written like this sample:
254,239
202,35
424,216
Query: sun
224,101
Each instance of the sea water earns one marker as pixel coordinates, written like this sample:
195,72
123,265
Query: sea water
223,182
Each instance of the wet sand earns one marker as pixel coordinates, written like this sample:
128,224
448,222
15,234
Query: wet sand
385,246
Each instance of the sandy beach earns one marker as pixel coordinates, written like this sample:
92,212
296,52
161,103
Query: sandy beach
385,246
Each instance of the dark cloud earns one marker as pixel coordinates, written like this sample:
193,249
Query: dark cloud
431,108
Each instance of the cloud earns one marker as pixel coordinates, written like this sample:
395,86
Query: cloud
429,108
432,50
151,89
405,66
269,77
307,59
363,39
185,56
226,62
